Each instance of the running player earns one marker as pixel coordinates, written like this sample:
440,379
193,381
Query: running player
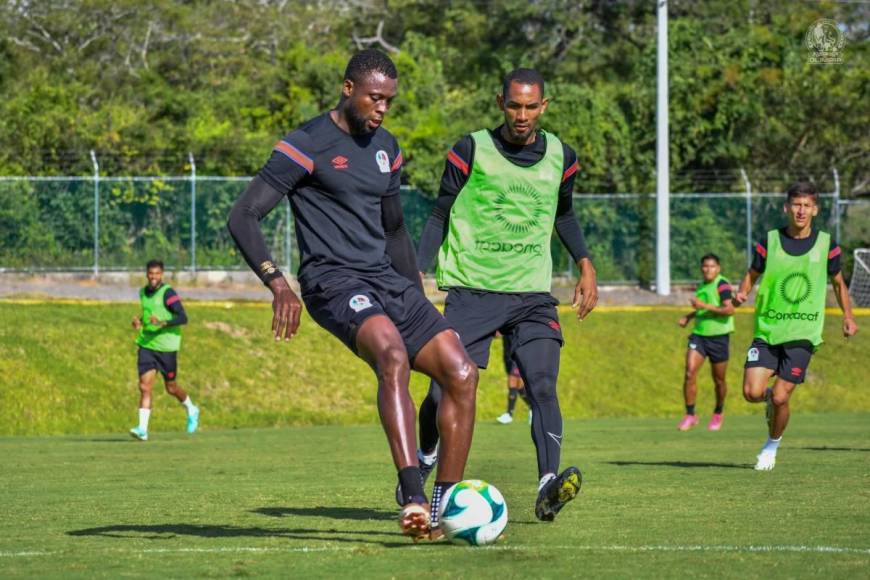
159,339
515,385
358,272
714,322
501,193
789,310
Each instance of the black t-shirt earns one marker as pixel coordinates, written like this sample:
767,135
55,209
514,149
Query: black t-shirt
795,247
336,182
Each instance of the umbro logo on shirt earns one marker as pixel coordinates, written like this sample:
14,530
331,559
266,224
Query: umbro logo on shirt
339,162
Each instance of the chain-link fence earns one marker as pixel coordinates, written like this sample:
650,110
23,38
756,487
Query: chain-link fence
119,223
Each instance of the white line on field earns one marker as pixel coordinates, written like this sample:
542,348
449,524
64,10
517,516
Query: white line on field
506,548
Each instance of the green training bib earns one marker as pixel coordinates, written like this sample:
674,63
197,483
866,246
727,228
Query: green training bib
501,222
151,336
706,322
791,297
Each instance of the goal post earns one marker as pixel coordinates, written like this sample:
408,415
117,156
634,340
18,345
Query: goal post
859,288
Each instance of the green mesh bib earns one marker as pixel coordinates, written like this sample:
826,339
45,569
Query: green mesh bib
706,322
501,222
153,337
791,297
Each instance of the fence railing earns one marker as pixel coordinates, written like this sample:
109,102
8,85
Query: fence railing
118,223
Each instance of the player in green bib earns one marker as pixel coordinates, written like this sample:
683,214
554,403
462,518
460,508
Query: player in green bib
714,322
796,262
159,339
503,192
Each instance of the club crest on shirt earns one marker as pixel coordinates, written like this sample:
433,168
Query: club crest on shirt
383,161
360,302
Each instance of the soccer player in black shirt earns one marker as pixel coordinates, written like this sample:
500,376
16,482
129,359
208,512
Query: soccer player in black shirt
358,272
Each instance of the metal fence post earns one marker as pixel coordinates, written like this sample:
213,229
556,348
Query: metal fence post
748,185
192,212
837,206
288,259
96,213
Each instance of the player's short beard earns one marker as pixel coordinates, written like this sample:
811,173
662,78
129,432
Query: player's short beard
355,122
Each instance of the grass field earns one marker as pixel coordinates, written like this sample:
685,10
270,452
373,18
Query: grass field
317,501
71,368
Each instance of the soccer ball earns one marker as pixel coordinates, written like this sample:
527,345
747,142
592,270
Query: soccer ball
473,513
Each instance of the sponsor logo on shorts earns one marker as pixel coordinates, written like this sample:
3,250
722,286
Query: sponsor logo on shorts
170,375
752,355
554,325
383,161
360,302
796,371
500,246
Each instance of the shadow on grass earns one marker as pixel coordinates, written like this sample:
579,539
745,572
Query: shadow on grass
171,531
683,464
864,449
336,513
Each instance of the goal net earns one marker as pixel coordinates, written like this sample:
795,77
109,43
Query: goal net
859,289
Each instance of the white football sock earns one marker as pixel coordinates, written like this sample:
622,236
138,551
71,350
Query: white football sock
544,480
144,415
771,446
428,459
189,404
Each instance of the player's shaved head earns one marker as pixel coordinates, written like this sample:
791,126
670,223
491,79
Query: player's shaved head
369,61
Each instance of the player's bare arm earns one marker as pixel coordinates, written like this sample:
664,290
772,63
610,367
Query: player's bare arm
684,320
727,308
749,280
841,292
586,290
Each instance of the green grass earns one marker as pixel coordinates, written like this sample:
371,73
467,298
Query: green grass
317,502
71,368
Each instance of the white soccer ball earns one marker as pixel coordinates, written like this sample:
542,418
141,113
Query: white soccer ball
473,513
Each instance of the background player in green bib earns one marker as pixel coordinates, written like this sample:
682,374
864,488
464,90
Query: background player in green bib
159,339
502,192
789,310
714,323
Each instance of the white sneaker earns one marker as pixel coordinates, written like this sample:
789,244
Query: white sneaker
765,461
505,418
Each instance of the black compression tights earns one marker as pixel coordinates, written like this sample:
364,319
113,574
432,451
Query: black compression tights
539,365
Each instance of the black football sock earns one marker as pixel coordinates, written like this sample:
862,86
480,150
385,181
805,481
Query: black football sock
428,419
690,409
512,401
438,492
718,410
412,485
524,396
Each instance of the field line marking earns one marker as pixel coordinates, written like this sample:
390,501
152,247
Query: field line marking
505,548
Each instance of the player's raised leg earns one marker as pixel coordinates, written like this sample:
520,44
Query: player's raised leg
380,344
444,359
694,360
539,365
176,391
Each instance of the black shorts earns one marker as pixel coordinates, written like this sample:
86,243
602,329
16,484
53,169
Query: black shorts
714,347
340,304
789,361
165,362
477,314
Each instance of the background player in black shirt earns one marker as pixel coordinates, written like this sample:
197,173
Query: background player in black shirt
358,271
